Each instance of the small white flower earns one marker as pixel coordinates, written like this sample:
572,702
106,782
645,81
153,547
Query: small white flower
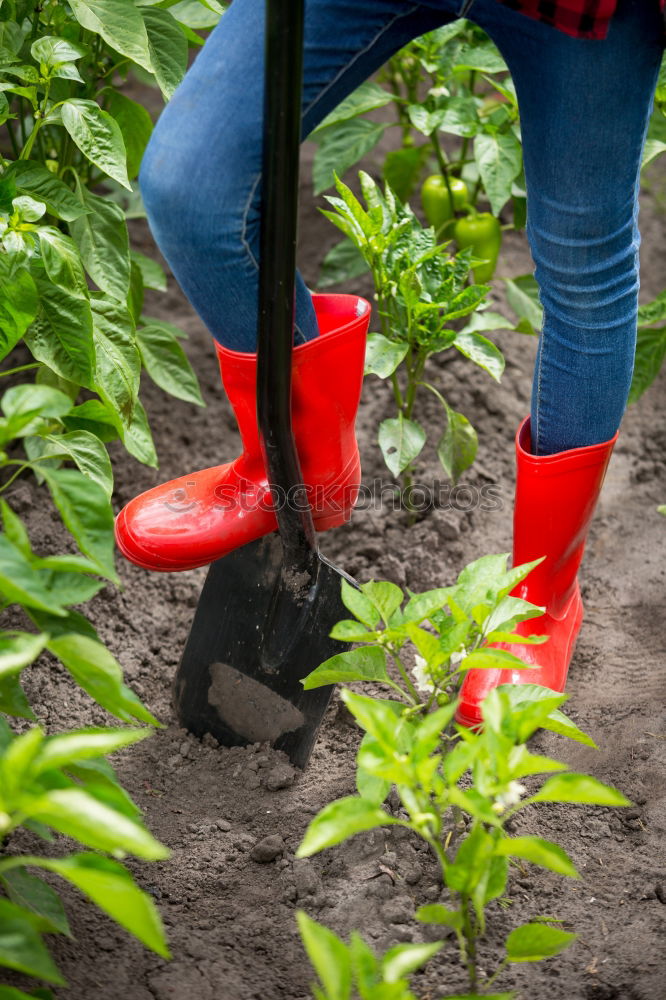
511,797
420,675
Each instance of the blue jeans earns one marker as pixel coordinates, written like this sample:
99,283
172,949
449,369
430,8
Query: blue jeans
584,109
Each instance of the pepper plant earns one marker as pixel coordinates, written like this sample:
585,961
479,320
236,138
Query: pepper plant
71,288
457,115
421,291
64,784
458,789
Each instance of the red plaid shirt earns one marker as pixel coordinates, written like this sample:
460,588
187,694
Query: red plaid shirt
580,18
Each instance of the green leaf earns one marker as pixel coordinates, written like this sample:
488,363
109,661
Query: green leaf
399,962
61,261
12,698
499,158
119,23
41,400
481,351
349,630
401,441
328,955
382,356
385,596
534,942
653,312
99,780
342,145
92,416
422,606
99,673
402,169
87,452
458,444
118,362
487,658
83,744
35,895
135,124
21,946
19,650
471,867
42,184
167,364
153,276
75,813
650,353
539,852
365,98
482,57
523,296
555,721
103,242
340,820
199,14
136,436
168,48
573,787
435,913
87,515
97,135
61,335
18,302
112,888
653,149
365,664
360,606
370,787
51,50
21,584
379,718
343,262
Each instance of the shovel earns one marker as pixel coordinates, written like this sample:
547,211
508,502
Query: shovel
266,610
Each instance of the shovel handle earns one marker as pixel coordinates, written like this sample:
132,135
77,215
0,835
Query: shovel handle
277,273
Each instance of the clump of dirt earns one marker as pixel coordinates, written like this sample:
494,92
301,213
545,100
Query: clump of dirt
233,818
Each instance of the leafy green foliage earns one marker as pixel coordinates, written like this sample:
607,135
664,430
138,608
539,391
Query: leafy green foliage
442,771
345,971
71,293
71,129
41,781
421,292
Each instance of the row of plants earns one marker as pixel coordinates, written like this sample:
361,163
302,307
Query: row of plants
72,323
461,791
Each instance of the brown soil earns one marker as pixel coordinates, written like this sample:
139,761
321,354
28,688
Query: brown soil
230,919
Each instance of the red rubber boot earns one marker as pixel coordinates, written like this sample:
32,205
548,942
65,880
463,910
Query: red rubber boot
554,503
198,518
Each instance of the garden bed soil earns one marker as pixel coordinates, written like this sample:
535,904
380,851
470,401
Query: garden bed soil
230,918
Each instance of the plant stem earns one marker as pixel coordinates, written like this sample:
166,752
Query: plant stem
470,940
21,368
405,676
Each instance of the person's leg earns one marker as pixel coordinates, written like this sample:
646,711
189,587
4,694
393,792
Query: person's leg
584,110
584,107
201,173
201,184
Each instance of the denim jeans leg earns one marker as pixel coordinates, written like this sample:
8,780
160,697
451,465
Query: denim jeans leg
584,110
201,172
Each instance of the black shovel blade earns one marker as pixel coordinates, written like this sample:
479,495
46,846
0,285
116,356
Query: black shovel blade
238,679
